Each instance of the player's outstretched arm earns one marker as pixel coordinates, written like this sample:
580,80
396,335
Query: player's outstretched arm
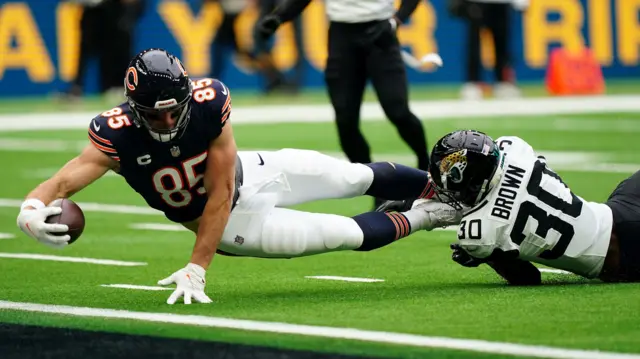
507,264
286,11
407,7
219,181
75,175
290,9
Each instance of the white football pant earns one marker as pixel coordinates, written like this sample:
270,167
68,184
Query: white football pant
258,226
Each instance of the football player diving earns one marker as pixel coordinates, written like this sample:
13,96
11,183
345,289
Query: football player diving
173,143
522,212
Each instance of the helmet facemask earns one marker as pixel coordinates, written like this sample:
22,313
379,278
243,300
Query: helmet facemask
447,175
147,117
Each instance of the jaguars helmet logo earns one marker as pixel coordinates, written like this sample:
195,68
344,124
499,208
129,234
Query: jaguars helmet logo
452,167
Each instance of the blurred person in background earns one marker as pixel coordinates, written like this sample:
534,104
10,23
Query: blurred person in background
125,14
226,36
106,33
91,42
494,15
363,45
276,80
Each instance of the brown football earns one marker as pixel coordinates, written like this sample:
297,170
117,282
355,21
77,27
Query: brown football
71,215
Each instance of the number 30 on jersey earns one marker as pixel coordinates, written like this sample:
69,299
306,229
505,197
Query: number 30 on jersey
470,230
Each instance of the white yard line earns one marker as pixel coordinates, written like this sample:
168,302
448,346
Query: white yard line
425,110
344,279
473,345
94,207
46,257
556,271
555,124
7,236
135,287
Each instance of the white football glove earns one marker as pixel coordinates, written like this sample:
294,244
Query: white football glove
189,283
439,214
32,222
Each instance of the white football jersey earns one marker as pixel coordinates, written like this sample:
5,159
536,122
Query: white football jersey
532,211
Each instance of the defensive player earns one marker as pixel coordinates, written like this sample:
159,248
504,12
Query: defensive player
173,143
523,212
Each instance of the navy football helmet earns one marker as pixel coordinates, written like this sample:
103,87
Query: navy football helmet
157,82
465,166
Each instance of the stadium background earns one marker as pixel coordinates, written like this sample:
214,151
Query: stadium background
39,40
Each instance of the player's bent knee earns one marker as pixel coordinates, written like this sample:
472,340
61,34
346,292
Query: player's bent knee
295,234
399,114
357,178
343,234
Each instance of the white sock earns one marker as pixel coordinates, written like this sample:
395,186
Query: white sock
418,219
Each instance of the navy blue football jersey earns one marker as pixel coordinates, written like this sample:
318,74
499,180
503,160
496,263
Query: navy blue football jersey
167,175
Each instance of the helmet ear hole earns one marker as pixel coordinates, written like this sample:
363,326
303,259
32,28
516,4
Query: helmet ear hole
455,175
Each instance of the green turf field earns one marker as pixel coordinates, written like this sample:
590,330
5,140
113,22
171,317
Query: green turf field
423,291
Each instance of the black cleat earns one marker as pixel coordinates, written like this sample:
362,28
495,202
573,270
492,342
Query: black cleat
395,206
377,202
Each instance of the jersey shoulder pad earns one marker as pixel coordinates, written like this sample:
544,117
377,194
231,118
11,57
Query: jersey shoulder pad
213,100
515,146
107,129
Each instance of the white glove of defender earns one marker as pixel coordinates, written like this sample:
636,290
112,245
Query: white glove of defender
189,283
439,214
32,223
